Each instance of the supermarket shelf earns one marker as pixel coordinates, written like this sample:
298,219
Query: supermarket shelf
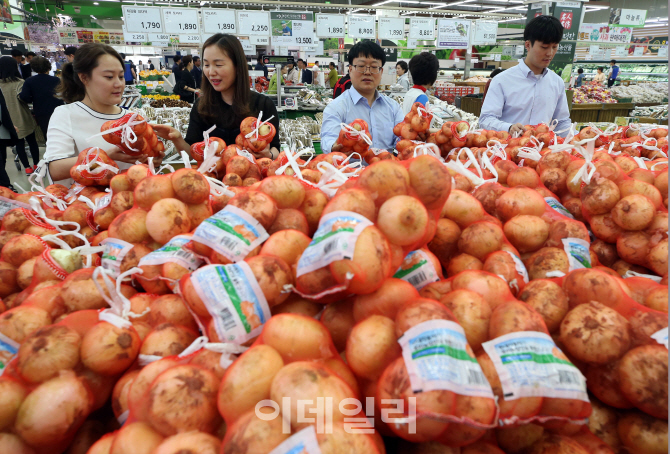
644,74
621,61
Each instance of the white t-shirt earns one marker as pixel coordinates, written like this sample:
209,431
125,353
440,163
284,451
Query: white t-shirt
70,127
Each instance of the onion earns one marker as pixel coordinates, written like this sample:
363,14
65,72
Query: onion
418,311
137,394
8,280
47,351
121,391
21,248
53,412
463,262
109,350
20,322
137,437
338,318
386,300
47,298
643,434
473,314
403,220
12,394
193,442
167,218
297,338
371,346
171,309
152,189
634,212
250,434
384,180
12,444
167,340
183,398
130,226
25,273
481,239
548,300
643,373
86,436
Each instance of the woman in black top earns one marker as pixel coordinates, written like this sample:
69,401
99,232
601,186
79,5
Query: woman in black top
185,87
225,99
41,91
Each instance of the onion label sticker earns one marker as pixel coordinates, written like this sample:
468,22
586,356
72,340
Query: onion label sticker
303,442
519,266
114,252
578,253
102,202
335,239
417,269
9,204
530,365
234,299
438,357
231,232
8,350
173,252
661,337
557,206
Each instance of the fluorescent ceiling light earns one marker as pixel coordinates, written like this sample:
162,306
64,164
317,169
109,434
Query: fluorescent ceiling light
594,8
93,17
454,4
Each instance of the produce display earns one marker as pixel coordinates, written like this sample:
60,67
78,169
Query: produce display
169,102
642,93
592,94
477,79
660,111
154,74
476,294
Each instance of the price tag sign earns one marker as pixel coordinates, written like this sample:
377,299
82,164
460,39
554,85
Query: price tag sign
639,51
219,21
143,19
629,17
330,26
189,39
593,49
497,57
181,20
485,32
663,51
422,28
620,51
253,23
292,28
453,33
391,28
135,37
362,27
249,49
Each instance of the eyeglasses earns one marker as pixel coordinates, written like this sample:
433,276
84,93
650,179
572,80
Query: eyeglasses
372,69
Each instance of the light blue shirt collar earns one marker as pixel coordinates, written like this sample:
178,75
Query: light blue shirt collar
356,96
529,72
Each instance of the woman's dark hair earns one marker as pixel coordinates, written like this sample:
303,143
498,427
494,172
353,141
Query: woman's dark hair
580,71
402,64
185,61
86,58
546,29
424,67
368,49
210,104
495,72
40,65
9,70
601,68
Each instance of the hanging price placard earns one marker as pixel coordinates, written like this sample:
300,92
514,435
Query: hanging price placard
219,21
391,28
422,28
159,39
189,39
181,20
330,26
142,19
134,37
292,28
453,33
250,23
362,27
485,32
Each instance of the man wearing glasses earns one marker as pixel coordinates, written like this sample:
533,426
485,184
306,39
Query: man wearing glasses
362,100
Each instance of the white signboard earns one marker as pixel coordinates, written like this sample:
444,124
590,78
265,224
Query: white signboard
66,37
143,19
292,28
189,39
158,39
639,51
453,33
219,21
391,28
633,17
249,49
134,37
485,32
330,25
253,23
259,40
181,20
422,28
497,57
518,50
593,49
362,27
620,51
663,52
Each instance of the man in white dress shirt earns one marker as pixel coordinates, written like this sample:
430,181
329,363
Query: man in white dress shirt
529,93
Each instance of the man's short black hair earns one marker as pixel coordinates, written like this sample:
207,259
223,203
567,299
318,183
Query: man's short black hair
31,54
402,64
613,62
40,65
177,58
580,71
331,64
368,49
495,72
423,68
123,56
546,29
195,58
17,53
70,50
316,62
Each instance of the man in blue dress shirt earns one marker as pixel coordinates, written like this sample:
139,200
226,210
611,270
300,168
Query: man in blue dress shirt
529,93
362,100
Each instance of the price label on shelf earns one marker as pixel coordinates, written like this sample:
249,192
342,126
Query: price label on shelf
218,21
620,51
485,32
134,37
158,37
362,27
422,28
181,20
639,51
143,19
391,28
291,28
189,39
253,23
330,26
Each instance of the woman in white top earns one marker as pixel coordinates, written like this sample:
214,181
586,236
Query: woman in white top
403,77
91,86
600,77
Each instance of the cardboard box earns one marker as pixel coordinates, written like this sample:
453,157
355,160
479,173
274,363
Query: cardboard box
508,64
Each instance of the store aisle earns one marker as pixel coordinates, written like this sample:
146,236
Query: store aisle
18,176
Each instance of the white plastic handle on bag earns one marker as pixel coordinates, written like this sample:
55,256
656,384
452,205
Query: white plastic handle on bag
128,136
355,132
259,123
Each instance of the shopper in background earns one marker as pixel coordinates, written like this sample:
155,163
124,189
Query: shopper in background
494,73
225,99
332,75
304,74
11,85
92,87
403,77
529,93
185,87
613,73
128,74
423,67
69,53
151,66
600,77
26,71
272,87
8,138
362,100
292,75
196,72
18,56
343,84
260,66
175,67
580,78
40,90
